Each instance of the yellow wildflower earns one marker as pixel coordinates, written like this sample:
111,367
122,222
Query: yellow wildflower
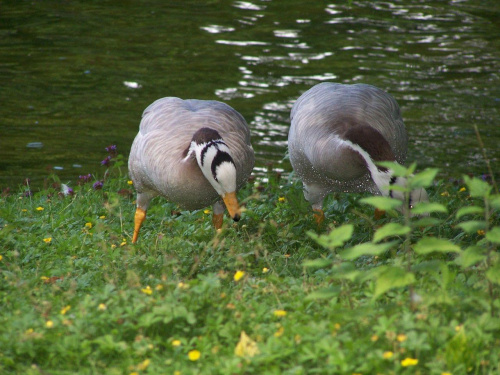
446,373
265,270
445,194
480,232
88,225
246,347
65,309
279,313
159,287
387,355
182,285
374,338
238,275
130,182
134,373
44,278
194,355
102,307
49,324
207,211
124,242
176,343
102,217
143,365
1,257
409,362
281,199
113,246
147,290
401,337
177,373
24,210
279,332
47,240
39,208
462,189
336,326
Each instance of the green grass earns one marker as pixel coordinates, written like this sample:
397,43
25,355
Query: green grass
87,301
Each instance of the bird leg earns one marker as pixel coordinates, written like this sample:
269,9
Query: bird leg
319,216
218,214
140,216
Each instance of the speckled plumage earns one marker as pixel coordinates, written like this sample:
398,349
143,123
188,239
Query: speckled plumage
158,163
326,121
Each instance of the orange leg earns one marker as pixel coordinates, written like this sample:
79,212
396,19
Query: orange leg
140,216
217,220
319,215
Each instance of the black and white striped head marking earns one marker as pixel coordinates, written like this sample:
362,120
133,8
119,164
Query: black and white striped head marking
214,159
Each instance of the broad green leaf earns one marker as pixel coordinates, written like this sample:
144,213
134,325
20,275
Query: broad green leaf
325,293
423,179
471,256
392,277
398,169
382,203
336,238
495,202
471,210
477,188
427,208
493,235
317,263
391,229
429,245
472,226
366,248
346,271
493,274
426,222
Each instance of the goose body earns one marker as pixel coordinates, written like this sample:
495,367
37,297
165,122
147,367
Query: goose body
192,152
337,134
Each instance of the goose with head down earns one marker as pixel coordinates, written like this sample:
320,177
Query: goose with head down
192,152
338,133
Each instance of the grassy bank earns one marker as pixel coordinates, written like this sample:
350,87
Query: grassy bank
271,294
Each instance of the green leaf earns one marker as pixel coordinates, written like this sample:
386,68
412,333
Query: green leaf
427,208
495,202
471,210
317,263
382,203
423,179
336,238
472,226
398,169
429,245
325,293
493,235
367,248
493,274
471,256
392,277
477,188
427,222
391,229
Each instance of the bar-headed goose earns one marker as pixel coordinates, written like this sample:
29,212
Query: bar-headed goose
338,132
192,152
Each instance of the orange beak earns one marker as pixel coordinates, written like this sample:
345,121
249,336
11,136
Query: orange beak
232,205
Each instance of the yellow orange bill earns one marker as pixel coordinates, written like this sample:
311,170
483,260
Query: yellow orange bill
232,205
140,216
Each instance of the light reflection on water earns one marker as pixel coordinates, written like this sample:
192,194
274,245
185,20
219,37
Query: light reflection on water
79,84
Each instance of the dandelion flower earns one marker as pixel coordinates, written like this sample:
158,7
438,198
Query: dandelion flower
462,189
206,212
446,373
24,210
480,232
194,355
44,278
238,275
143,365
49,324
265,270
40,208
279,332
130,182
102,307
445,194
1,257
281,199
159,287
401,337
246,347
88,225
47,240
65,309
279,313
176,343
374,338
387,355
147,290
182,285
409,362
102,217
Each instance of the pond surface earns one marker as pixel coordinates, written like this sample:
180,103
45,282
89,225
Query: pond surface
76,76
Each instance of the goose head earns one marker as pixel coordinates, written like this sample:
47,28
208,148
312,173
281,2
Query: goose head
217,165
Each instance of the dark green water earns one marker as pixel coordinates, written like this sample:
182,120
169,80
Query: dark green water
64,64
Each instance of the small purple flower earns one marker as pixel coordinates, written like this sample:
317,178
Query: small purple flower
111,150
84,178
97,185
106,161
